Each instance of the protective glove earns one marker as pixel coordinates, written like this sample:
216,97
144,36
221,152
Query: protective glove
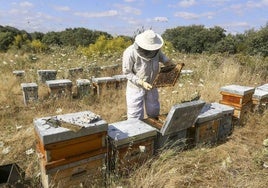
145,85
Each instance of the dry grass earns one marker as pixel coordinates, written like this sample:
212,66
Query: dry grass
236,163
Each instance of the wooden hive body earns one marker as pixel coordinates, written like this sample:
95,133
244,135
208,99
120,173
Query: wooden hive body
239,97
103,83
226,122
60,88
45,75
87,172
131,143
260,99
30,92
207,125
76,142
83,87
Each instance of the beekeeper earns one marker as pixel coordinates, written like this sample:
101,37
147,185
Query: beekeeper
141,66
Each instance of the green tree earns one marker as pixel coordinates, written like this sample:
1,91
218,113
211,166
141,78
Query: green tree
258,41
6,39
193,39
52,38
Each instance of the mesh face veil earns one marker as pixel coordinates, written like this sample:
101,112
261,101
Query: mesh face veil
148,54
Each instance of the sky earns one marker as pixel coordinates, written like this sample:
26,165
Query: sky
125,17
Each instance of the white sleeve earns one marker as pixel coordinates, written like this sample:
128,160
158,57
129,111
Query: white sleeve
128,64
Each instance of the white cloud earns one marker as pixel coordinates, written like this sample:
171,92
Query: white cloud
128,9
161,19
26,4
108,13
62,8
193,16
186,3
186,15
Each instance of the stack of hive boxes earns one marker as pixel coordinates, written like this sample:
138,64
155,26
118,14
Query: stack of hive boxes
73,149
172,128
260,98
131,143
239,97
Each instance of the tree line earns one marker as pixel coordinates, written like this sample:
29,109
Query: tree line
186,39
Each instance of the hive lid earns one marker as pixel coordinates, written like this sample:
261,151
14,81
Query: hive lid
49,132
103,79
209,113
124,132
59,82
263,87
224,108
237,89
181,116
260,94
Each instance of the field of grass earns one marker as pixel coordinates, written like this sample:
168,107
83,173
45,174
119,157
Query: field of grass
236,163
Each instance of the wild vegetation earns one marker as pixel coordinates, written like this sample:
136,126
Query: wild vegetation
238,162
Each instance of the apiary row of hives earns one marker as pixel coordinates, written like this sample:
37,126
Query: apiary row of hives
82,148
64,87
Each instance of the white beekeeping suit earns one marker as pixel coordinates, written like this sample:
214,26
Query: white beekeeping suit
141,66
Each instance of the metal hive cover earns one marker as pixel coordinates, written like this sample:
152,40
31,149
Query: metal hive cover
124,132
181,116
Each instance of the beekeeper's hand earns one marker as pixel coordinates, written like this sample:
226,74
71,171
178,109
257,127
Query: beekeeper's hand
145,85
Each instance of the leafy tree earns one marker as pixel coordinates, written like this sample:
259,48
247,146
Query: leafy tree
227,44
106,46
52,38
37,36
38,46
194,39
258,42
6,39
80,36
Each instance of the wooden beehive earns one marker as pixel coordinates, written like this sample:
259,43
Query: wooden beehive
60,88
172,128
30,92
45,75
121,81
239,97
66,139
205,129
86,172
131,143
260,100
226,122
83,87
103,83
